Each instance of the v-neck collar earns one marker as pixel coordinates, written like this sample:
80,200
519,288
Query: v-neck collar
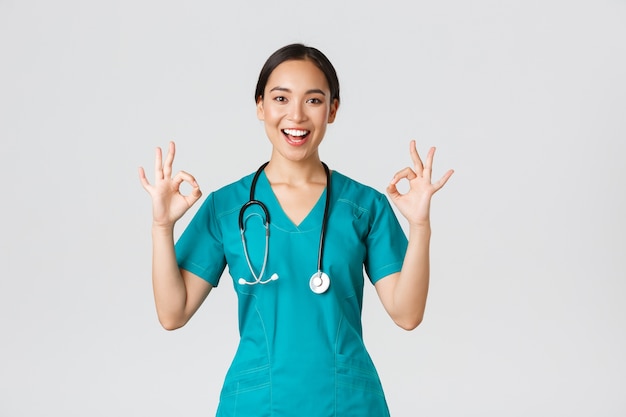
312,221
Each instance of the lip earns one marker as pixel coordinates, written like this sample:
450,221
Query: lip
295,140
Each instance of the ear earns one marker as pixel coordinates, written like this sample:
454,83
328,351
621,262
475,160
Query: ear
260,113
333,111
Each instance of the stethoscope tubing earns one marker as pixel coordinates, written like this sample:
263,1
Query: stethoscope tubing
320,254
251,202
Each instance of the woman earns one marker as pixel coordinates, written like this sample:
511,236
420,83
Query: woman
297,257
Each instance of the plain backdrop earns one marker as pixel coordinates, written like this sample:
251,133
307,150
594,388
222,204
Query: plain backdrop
526,100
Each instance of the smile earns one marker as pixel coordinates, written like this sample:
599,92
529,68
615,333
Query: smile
296,132
296,136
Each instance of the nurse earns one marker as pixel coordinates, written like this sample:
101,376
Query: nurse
296,254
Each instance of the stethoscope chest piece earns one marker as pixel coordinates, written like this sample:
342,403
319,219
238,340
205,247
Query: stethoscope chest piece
319,282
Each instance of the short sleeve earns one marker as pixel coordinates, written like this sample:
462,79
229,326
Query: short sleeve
199,249
386,242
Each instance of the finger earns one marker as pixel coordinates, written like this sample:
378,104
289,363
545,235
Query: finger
144,181
407,173
169,160
158,164
195,193
417,161
183,176
428,166
443,180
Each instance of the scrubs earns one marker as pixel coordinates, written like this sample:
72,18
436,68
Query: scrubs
300,353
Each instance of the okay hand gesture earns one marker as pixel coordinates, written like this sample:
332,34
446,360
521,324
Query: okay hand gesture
168,203
415,203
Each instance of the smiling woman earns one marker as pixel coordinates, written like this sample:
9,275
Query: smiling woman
296,106
299,277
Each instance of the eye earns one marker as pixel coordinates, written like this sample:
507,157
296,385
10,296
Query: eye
280,99
314,100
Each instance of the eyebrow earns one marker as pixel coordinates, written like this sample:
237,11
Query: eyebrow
311,91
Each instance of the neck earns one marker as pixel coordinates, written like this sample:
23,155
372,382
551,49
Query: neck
280,170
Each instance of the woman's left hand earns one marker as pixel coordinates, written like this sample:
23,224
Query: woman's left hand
415,203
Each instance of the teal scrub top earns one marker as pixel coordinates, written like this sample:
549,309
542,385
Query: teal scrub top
300,353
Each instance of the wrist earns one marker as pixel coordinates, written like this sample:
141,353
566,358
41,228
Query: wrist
159,228
422,227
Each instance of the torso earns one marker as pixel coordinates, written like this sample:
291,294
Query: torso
291,337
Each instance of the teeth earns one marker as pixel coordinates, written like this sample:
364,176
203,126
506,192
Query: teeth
295,132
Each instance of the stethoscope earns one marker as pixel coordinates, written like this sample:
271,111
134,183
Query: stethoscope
319,281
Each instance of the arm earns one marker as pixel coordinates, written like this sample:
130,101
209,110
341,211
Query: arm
177,293
403,294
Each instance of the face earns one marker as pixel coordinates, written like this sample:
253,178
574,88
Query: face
296,109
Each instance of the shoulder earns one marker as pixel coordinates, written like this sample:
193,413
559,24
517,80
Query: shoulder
231,196
349,190
235,187
362,201
368,207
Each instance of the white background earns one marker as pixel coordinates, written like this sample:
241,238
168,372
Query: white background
526,100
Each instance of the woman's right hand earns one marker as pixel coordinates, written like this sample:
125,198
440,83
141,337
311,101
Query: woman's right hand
168,203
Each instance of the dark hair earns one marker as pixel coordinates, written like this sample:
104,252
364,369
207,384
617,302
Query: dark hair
295,52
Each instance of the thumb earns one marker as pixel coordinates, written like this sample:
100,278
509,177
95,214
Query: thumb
195,194
393,192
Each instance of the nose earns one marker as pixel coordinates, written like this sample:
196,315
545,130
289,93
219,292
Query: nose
297,112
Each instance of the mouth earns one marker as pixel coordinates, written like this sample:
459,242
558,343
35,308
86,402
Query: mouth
296,136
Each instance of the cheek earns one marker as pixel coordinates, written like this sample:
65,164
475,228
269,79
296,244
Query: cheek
271,113
323,116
